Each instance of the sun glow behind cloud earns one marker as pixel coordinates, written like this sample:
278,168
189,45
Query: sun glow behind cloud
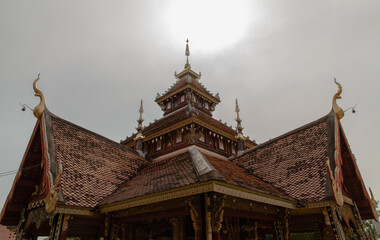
210,25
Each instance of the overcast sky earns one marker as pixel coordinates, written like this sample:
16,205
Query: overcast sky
97,59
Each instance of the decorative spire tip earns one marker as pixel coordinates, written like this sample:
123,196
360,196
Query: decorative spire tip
187,54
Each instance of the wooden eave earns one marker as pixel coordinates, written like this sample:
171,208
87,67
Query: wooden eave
365,203
10,214
210,186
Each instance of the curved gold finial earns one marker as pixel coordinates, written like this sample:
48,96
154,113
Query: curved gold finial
338,111
187,53
39,109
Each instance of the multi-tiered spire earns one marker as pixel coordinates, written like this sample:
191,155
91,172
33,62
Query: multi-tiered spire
139,137
187,53
140,120
239,129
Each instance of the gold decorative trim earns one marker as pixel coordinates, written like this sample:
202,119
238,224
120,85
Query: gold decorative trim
188,85
37,204
39,109
51,199
73,211
214,186
320,204
235,191
348,200
158,197
186,122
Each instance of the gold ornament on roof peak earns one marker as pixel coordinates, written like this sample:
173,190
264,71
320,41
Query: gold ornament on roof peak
39,109
187,53
338,111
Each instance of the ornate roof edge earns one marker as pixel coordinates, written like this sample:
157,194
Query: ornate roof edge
204,93
19,172
210,186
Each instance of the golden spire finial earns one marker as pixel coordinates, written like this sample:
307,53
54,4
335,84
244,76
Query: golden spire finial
187,53
39,109
140,121
338,111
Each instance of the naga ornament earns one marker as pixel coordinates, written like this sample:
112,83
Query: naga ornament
338,111
39,109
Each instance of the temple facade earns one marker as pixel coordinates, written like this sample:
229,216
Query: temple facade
188,176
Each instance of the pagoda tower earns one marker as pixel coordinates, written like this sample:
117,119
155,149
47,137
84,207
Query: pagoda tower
187,120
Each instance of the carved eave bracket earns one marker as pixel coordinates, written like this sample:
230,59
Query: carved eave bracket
337,191
40,108
338,110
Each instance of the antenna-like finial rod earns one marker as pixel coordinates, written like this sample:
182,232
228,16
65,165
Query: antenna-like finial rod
187,53
140,121
239,128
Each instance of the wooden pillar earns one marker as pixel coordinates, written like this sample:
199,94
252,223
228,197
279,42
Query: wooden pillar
359,222
196,216
282,226
217,215
131,231
208,216
317,230
181,235
65,226
333,225
175,228
56,227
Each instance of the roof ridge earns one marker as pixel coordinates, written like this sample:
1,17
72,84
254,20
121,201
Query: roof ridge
303,127
92,133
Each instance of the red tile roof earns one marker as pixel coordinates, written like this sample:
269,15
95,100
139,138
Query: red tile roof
238,176
294,162
158,176
93,166
178,171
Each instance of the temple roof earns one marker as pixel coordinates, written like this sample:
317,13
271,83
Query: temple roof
298,163
294,162
93,166
181,170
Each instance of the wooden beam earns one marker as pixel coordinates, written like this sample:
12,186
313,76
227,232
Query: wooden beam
14,207
228,212
23,183
303,218
155,215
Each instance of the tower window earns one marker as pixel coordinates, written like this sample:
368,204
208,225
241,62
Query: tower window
169,105
207,105
179,137
175,102
200,103
182,98
221,144
201,137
